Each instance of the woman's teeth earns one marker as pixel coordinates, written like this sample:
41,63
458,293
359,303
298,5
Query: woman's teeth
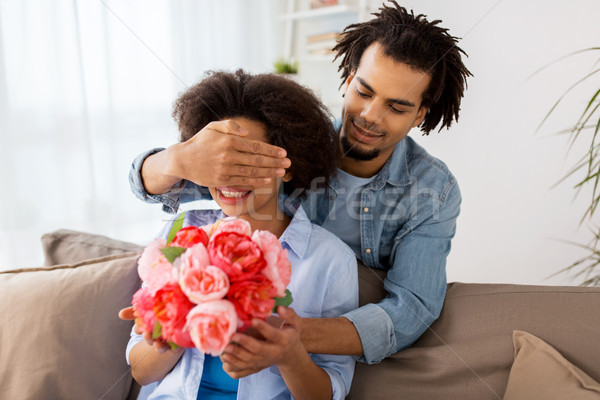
234,194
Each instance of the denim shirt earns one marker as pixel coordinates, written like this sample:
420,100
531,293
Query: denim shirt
407,220
324,283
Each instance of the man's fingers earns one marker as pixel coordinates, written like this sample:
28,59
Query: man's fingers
269,332
256,172
228,126
261,161
289,316
262,149
237,355
275,321
247,342
233,128
236,372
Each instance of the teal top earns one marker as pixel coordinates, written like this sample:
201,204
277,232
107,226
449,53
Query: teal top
215,383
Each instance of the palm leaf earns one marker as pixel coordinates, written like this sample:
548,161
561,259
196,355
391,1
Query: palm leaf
586,268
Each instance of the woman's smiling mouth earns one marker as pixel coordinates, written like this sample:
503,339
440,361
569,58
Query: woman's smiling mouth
232,195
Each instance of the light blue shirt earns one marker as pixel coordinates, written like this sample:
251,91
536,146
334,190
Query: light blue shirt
324,283
344,218
407,218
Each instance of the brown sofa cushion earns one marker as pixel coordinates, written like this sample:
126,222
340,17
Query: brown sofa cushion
68,247
540,372
468,352
60,336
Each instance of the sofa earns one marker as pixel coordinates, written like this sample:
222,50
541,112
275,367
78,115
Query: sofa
60,337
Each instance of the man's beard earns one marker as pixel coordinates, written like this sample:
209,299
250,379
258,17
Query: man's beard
352,151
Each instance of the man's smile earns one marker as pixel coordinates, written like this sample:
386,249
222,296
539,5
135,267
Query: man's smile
363,135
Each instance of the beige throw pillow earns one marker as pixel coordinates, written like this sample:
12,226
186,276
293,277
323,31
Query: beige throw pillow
68,247
60,335
540,372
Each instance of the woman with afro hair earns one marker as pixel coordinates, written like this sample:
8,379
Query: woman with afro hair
276,110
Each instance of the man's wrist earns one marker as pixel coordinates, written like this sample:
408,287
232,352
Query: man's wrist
156,172
330,336
172,165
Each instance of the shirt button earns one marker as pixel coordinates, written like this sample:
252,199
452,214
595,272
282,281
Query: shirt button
366,209
368,251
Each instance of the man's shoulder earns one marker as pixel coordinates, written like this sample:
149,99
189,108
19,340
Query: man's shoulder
426,170
420,161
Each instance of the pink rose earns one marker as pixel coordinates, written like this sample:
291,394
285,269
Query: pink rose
231,224
144,307
154,269
236,254
189,236
278,268
171,307
252,298
199,280
211,325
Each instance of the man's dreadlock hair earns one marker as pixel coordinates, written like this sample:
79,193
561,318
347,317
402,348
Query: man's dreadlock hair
418,43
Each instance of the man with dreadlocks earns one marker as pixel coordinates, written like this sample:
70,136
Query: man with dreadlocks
391,202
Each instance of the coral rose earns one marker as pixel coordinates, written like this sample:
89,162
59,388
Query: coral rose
252,298
278,268
170,308
231,224
199,280
211,325
189,236
153,268
236,254
144,308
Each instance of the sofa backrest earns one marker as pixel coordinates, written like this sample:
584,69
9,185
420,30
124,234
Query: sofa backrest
468,352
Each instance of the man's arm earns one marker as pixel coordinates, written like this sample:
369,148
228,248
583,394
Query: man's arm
218,155
415,285
331,336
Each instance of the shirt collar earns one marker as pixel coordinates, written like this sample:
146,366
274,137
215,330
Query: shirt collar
395,170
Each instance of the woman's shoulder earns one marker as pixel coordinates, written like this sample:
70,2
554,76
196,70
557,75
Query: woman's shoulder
307,238
329,247
201,217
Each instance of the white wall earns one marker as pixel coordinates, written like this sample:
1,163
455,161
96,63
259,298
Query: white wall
513,224
513,221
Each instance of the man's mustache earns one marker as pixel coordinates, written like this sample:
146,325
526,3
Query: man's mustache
368,126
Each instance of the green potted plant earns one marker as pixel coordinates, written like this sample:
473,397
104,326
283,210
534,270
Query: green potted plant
285,66
587,169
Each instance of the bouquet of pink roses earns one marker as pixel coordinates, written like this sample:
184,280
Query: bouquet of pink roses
204,283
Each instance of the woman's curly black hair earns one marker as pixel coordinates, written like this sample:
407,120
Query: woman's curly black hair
295,119
418,43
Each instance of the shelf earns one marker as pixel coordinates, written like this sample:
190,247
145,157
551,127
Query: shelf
320,12
318,58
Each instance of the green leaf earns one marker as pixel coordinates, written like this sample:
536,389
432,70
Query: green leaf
177,224
173,345
171,253
157,331
283,301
